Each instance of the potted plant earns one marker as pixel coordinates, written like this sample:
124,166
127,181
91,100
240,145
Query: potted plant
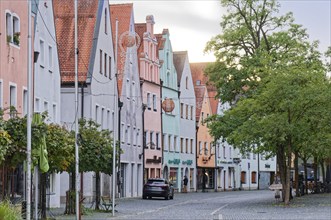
16,38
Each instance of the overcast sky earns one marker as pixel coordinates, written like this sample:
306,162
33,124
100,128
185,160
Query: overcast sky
192,23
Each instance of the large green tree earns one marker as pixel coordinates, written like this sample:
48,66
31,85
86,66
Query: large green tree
274,79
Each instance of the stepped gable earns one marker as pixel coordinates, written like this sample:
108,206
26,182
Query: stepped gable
140,30
65,36
198,74
123,13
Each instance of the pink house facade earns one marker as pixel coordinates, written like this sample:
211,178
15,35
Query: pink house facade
13,56
149,65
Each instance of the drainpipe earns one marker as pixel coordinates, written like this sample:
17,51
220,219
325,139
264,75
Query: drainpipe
161,113
196,156
82,116
120,105
258,171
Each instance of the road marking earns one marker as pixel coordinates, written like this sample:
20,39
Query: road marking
219,209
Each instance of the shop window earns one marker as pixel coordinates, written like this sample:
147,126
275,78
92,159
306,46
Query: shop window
253,177
243,177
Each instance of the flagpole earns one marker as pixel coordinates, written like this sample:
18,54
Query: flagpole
76,115
29,105
115,111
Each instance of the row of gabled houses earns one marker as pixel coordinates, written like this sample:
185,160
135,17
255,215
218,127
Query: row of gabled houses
131,82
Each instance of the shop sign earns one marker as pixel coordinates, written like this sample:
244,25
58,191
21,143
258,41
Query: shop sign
188,162
153,160
168,105
174,161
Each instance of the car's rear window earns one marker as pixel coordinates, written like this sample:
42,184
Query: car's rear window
155,181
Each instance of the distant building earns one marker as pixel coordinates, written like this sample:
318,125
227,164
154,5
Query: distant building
150,83
96,76
170,120
131,130
187,119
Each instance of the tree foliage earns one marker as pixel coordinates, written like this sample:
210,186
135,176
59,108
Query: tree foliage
275,80
96,149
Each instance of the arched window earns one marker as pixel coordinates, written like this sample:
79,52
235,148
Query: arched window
253,177
243,177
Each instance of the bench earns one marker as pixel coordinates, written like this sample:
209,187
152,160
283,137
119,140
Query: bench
107,203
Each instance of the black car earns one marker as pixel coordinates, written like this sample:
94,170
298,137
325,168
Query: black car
158,187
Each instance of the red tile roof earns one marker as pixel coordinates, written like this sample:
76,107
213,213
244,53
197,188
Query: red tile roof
199,91
64,24
123,13
197,70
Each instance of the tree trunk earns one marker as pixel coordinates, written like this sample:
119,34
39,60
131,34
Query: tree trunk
296,170
315,170
282,168
43,195
288,177
97,190
306,174
323,170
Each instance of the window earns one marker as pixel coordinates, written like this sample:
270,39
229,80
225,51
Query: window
169,142
149,101
182,145
37,105
202,114
186,146
25,101
157,141
206,148
186,109
96,113
128,88
186,82
134,138
145,139
200,148
105,65
108,119
102,118
106,21
50,58
248,155
165,147
224,156
133,89
54,113
42,53
191,146
254,156
230,153
109,65
138,138
175,144
253,177
100,65
123,133
128,134
154,103
168,79
12,94
151,140
181,110
45,106
191,112
13,29
243,177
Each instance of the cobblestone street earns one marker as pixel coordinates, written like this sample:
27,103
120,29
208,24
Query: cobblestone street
220,205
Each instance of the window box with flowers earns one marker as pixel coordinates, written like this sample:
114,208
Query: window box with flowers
16,38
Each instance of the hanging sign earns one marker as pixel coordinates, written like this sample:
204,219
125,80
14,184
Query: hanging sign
168,105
